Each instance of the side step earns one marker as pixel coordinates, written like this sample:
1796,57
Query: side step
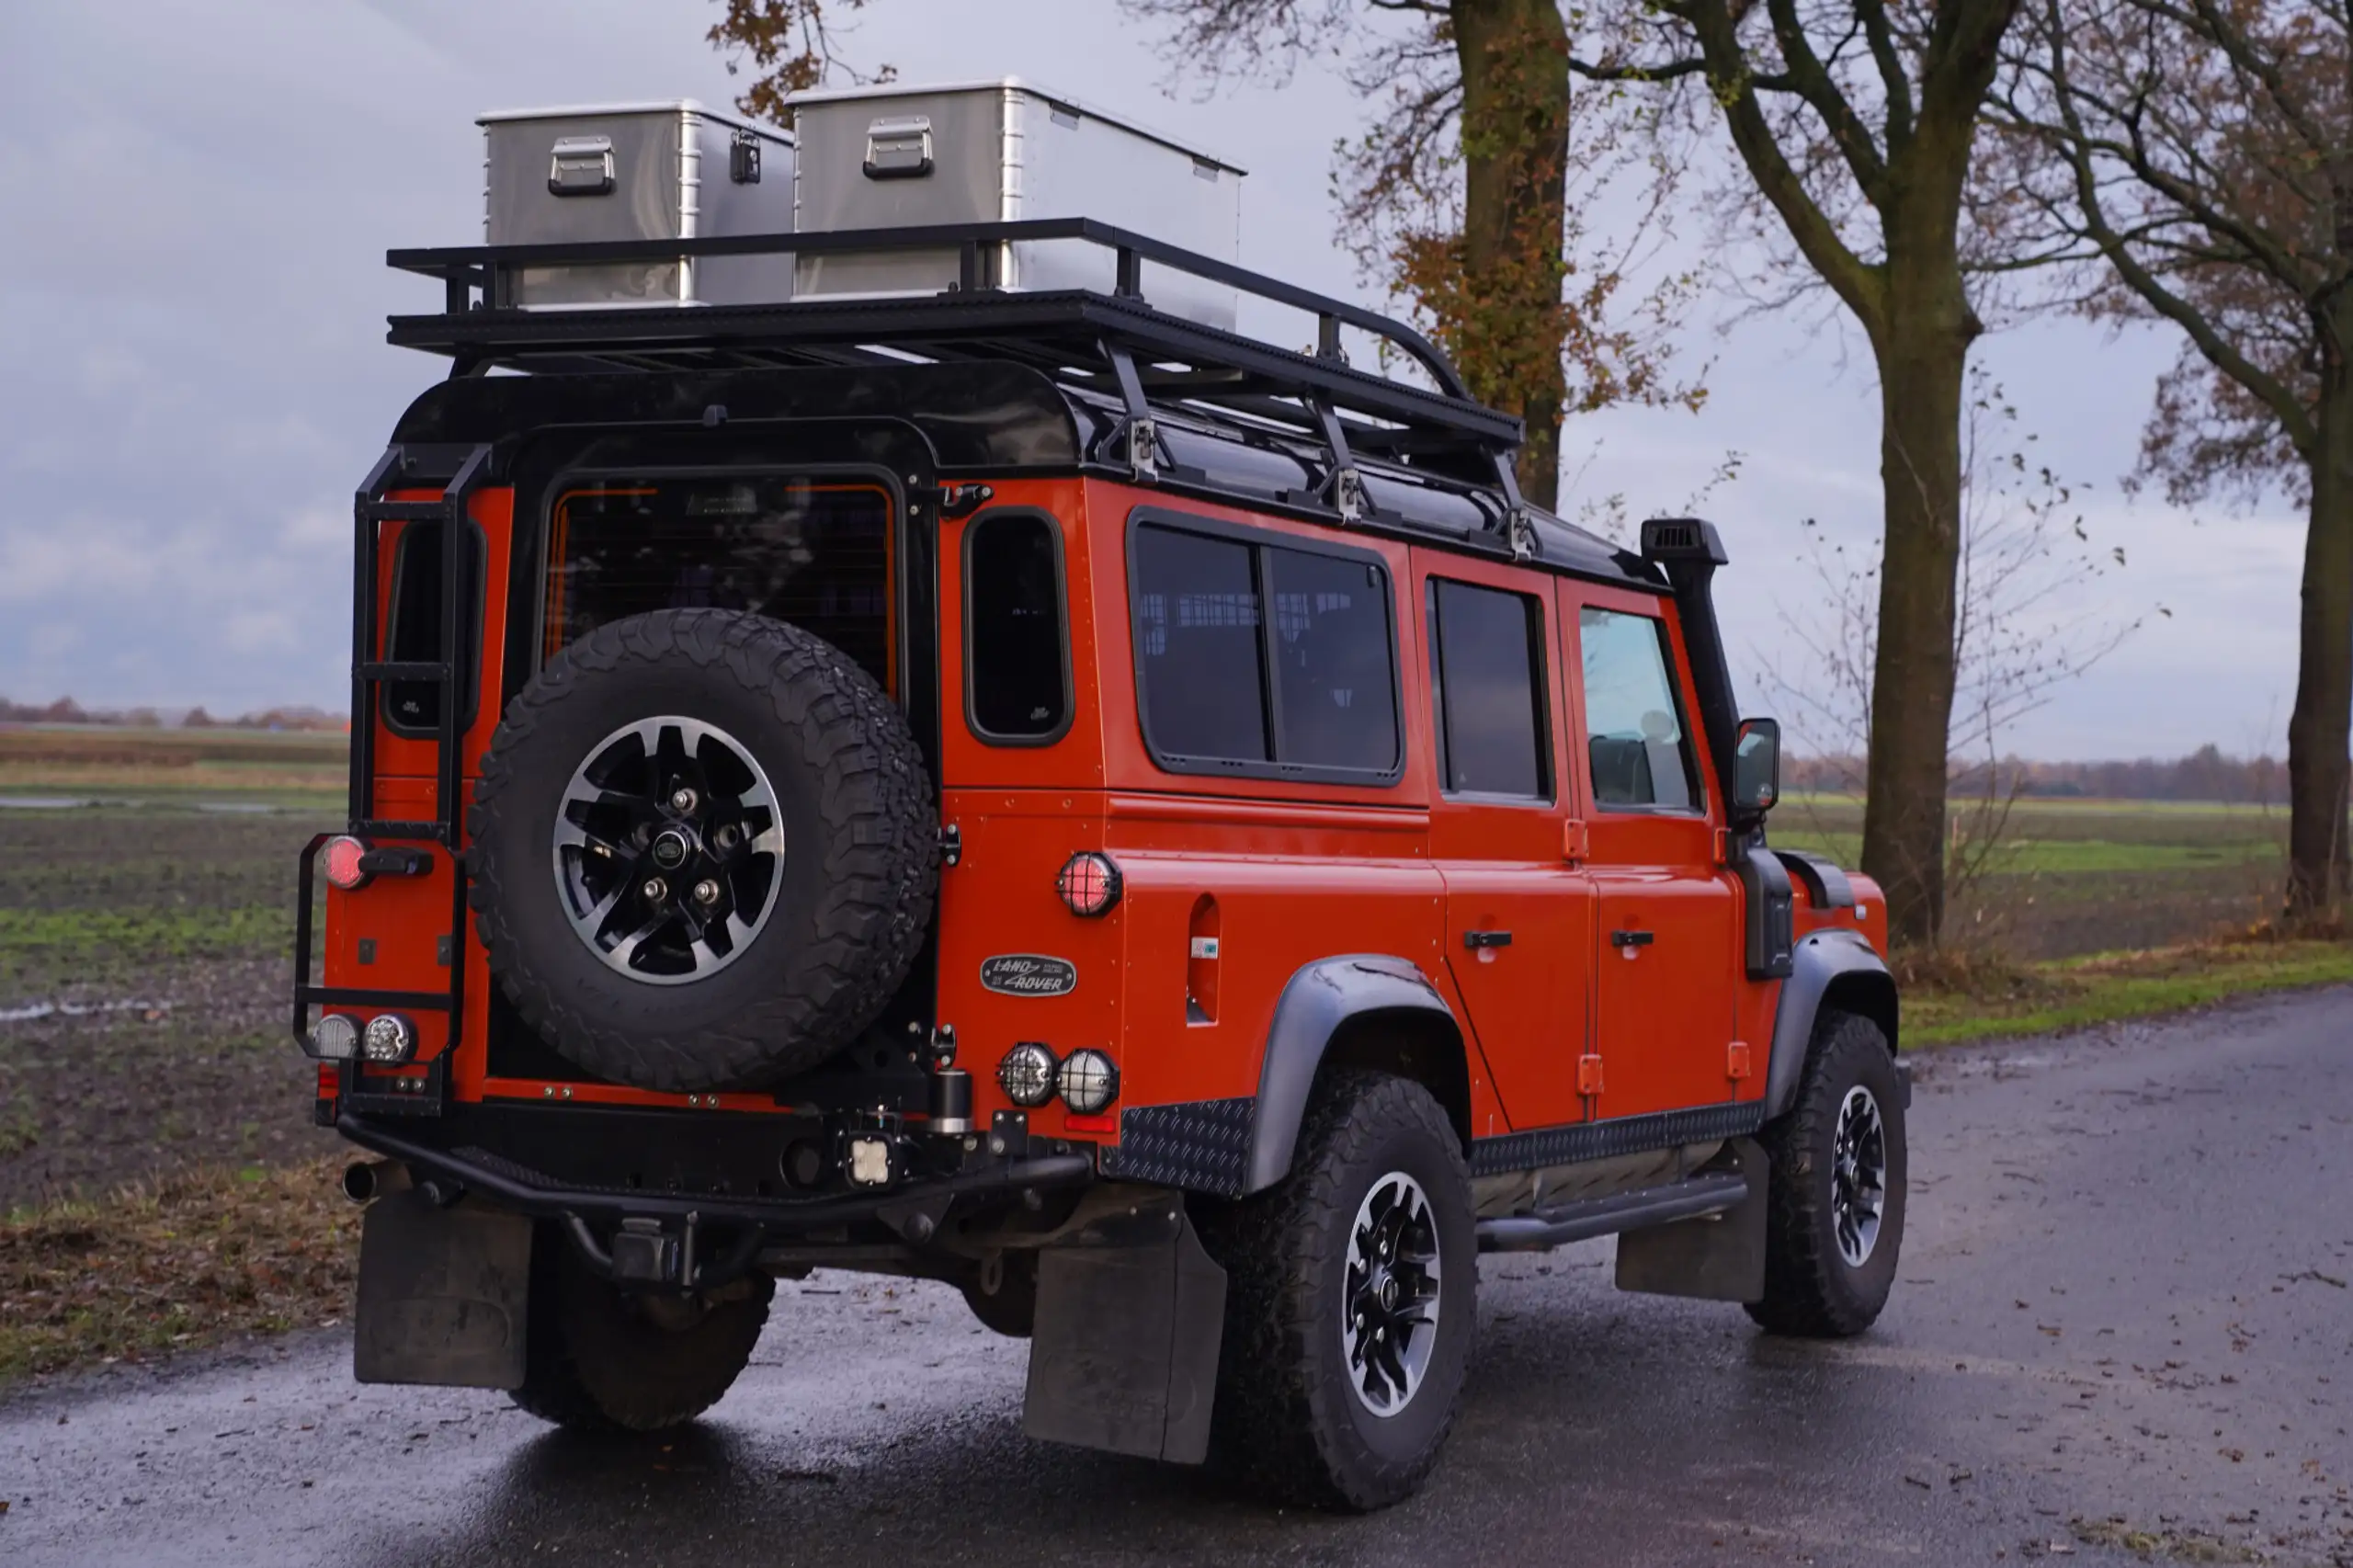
1581,1221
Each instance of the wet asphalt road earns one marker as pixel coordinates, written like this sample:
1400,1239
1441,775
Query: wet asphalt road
2123,1298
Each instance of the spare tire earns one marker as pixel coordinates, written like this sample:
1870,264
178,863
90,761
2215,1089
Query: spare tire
704,851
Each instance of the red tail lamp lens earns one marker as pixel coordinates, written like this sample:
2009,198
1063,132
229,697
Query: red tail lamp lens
343,856
1089,883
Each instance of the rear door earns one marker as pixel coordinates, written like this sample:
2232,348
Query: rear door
1518,915
1667,948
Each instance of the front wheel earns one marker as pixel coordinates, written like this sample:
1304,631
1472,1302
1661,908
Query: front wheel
1835,1217
1349,1303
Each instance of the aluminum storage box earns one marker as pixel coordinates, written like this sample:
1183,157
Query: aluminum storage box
673,170
895,156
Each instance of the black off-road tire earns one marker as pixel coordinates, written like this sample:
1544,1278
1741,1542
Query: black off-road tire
1287,1422
1811,1291
598,1360
858,872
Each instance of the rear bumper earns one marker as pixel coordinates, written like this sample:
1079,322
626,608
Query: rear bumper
693,1241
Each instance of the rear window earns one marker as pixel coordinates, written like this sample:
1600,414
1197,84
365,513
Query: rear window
814,553
1016,660
1258,657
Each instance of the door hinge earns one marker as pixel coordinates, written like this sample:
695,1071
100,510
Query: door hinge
951,845
1589,1076
1575,848
1736,1061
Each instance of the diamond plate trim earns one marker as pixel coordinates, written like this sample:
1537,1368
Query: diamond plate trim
1200,1145
1619,1135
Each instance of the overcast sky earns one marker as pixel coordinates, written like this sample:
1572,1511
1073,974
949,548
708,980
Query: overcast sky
196,198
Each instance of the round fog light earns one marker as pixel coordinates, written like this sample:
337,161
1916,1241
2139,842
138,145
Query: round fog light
334,1038
1027,1074
389,1038
1090,1082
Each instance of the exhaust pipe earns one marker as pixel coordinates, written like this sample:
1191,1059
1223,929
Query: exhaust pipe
366,1180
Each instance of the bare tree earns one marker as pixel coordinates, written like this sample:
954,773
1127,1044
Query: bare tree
2024,626
1854,125
2198,154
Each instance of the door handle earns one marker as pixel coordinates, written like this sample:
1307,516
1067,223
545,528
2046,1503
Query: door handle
1477,940
1630,939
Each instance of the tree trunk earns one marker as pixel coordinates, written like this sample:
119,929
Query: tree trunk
1514,56
1922,343
2317,726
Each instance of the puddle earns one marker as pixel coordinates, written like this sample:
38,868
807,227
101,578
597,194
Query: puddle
237,808
44,802
77,1010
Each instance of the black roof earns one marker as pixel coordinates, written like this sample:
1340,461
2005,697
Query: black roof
1002,381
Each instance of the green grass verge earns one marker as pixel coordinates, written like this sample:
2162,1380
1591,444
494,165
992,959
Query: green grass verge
179,1261
2112,987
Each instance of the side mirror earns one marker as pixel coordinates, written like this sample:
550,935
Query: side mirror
1756,768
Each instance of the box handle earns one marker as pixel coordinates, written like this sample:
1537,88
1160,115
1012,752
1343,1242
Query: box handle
581,165
899,147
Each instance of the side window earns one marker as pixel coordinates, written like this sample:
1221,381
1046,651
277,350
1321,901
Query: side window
1015,668
1641,753
1333,670
1197,646
1486,680
1264,658
413,629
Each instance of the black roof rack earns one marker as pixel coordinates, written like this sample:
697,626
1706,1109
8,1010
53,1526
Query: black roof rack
1117,343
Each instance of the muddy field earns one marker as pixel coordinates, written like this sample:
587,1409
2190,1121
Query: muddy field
143,974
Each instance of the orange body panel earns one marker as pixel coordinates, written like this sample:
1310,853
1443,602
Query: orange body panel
1233,885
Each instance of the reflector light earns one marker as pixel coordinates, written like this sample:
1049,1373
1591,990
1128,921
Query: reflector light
1027,1073
1090,1082
390,1040
334,1038
342,856
1089,883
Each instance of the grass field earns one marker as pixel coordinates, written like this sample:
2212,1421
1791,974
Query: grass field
2070,877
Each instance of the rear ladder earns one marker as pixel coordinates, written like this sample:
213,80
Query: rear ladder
451,676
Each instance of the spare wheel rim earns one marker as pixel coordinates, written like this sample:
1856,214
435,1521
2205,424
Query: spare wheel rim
668,850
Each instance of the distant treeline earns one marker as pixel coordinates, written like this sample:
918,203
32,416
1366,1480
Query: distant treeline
2204,775
65,710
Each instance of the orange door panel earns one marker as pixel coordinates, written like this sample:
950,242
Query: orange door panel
1519,916
1667,937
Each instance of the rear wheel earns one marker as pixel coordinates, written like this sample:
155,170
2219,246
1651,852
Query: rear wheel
600,1359
1349,1304
1835,1220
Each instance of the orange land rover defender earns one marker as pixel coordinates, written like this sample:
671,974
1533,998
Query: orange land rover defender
1030,790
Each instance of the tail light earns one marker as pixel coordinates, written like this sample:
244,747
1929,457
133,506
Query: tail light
335,1039
343,858
1089,883
389,1040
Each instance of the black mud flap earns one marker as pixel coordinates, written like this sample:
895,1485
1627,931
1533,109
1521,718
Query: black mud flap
1124,1356
1717,1258
442,1293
